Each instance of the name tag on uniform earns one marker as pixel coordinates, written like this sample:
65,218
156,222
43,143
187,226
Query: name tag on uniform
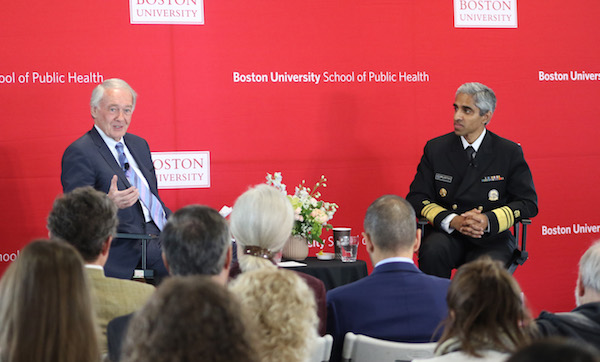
443,178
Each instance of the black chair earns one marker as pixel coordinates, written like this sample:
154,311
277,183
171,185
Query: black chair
520,254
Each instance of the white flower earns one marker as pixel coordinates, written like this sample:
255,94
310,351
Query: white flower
311,215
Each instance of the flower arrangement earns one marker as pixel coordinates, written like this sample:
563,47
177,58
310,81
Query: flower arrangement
311,214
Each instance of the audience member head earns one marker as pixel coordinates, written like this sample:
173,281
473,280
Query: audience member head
45,307
189,318
486,310
196,241
588,281
280,309
87,219
390,228
484,97
556,349
261,223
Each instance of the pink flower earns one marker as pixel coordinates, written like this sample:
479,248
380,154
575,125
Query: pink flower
320,216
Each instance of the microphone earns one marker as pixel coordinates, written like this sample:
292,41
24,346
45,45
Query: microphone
126,166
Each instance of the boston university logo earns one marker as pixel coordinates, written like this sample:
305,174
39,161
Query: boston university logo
485,13
182,169
166,12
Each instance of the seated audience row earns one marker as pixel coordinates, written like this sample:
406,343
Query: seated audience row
195,241
56,303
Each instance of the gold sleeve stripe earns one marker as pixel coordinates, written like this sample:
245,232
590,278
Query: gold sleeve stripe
430,211
505,218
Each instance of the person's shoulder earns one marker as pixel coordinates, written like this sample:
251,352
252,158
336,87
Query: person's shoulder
432,282
436,280
343,291
126,287
592,308
500,141
131,138
544,324
83,141
413,270
135,141
445,138
441,142
135,285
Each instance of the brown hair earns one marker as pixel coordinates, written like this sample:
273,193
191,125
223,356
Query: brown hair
45,307
486,310
189,318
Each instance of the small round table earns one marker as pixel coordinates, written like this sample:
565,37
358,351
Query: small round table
333,273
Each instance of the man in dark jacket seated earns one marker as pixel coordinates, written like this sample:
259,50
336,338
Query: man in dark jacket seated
195,241
583,322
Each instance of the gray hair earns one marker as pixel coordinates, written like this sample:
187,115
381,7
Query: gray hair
484,97
195,241
263,217
391,223
113,83
589,267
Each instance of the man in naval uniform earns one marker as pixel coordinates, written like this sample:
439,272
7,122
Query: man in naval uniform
472,186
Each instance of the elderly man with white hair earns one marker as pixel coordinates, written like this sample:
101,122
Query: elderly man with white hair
583,322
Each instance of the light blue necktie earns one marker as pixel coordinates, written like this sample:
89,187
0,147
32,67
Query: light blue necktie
146,197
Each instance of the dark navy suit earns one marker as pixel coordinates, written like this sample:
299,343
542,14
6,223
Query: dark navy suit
397,302
89,162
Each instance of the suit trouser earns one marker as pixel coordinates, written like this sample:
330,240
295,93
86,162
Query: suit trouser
441,252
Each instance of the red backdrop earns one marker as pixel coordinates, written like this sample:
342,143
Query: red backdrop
366,137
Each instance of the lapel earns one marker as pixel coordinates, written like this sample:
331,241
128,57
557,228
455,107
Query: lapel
108,157
485,156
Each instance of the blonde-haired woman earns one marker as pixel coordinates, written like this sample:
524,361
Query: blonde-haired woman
278,307
261,223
